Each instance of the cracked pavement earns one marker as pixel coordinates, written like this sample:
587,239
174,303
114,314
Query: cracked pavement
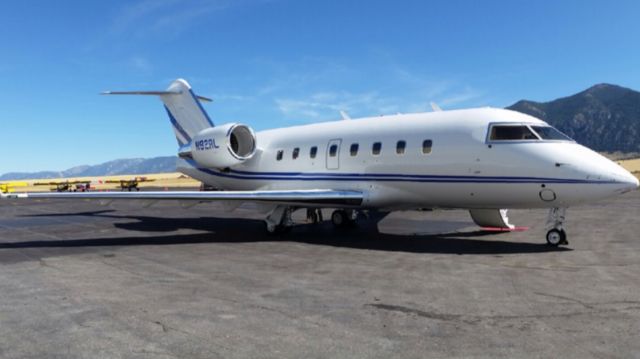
81,280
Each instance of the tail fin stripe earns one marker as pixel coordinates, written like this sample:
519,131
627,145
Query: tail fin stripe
178,128
201,108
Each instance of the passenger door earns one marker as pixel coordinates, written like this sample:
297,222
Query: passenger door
333,154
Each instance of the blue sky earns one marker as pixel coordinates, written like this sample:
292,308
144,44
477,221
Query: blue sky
275,63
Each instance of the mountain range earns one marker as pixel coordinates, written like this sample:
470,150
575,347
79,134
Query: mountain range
128,166
605,118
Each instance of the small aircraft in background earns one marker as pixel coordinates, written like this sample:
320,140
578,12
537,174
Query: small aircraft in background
67,186
130,184
8,187
484,160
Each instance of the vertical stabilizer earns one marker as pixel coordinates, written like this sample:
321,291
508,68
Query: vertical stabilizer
185,111
183,107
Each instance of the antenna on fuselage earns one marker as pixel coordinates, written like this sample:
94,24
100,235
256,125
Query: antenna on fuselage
344,115
435,107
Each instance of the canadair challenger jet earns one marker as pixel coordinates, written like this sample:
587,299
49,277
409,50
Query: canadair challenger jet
484,160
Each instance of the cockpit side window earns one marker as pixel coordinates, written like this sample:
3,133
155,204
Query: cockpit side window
550,133
511,133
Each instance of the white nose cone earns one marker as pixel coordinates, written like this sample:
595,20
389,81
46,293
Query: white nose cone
627,181
633,182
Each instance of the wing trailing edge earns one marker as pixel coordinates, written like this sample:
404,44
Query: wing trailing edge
292,197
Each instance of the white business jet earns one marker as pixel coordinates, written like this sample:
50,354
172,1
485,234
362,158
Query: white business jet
484,160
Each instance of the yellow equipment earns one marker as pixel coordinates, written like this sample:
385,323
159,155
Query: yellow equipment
66,186
130,184
7,187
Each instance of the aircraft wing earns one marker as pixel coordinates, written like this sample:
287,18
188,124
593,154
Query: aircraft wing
292,197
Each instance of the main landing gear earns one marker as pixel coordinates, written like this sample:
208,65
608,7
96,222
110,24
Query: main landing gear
314,215
556,235
342,218
279,219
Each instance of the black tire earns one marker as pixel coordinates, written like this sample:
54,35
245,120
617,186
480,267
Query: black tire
556,237
339,218
564,237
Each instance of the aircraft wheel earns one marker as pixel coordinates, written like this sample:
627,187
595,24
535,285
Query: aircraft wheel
556,237
339,218
564,237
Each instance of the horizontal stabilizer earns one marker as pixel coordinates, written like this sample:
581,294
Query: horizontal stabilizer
153,93
184,109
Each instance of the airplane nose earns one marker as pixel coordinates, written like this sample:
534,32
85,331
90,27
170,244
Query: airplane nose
633,182
629,182
623,180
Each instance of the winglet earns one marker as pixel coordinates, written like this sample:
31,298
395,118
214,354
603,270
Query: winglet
344,115
435,107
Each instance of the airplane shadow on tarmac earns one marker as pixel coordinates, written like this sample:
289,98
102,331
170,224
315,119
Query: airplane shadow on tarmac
237,230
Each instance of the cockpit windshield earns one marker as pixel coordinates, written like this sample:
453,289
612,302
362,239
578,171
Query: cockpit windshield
523,132
550,133
511,133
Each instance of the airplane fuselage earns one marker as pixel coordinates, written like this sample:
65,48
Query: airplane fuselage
428,160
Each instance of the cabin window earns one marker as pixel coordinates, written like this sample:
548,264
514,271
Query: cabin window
550,133
400,146
295,153
333,150
426,146
375,149
511,133
354,149
313,152
279,155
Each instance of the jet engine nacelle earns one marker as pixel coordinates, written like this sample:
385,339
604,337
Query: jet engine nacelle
223,146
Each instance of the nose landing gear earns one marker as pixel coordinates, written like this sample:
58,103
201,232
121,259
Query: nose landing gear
556,235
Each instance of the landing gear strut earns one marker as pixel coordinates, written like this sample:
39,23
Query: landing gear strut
314,215
556,235
279,220
342,218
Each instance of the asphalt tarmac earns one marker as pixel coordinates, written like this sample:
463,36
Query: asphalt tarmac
81,280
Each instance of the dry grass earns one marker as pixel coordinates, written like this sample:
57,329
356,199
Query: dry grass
98,182
632,165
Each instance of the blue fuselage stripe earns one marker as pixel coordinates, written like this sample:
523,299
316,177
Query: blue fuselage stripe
385,177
